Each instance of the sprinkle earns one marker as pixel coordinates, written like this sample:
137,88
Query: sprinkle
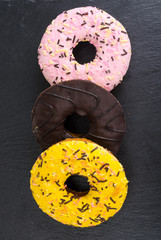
89,78
93,26
106,164
84,169
75,66
79,223
68,39
91,11
97,199
65,67
124,52
58,41
48,194
81,158
44,53
84,208
123,41
51,62
94,149
62,50
112,200
57,183
78,13
83,24
124,32
112,58
66,25
118,174
97,34
56,65
59,30
104,28
61,45
108,208
73,39
110,77
46,47
50,48
76,151
85,14
47,32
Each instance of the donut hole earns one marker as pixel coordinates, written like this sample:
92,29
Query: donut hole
77,124
84,52
77,184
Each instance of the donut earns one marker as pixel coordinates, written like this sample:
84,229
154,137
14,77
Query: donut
89,111
78,157
75,27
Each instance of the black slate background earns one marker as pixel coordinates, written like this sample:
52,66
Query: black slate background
22,24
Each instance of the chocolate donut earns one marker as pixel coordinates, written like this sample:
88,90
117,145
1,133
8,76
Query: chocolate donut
78,107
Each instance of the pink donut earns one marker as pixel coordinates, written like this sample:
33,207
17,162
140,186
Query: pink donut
113,48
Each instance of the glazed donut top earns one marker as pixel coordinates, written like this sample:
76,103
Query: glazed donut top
113,49
58,102
106,177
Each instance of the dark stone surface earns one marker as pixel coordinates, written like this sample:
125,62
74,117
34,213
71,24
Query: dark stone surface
22,24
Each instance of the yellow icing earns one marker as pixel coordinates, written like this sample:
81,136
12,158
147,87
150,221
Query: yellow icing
56,164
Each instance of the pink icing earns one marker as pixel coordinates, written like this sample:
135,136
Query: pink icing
62,35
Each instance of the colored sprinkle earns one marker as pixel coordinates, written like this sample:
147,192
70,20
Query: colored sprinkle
65,67
66,25
89,78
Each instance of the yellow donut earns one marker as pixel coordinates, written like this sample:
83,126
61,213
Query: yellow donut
106,177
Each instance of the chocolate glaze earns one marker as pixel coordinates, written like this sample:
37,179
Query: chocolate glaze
55,104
